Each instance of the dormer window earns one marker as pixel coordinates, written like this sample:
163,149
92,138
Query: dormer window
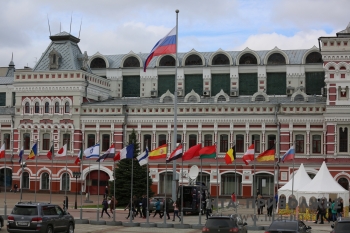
54,57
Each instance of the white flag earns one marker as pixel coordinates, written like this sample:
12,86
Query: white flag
92,152
143,158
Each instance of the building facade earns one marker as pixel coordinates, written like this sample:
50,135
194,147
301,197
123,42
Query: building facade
294,98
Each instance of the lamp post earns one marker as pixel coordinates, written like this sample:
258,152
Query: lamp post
76,175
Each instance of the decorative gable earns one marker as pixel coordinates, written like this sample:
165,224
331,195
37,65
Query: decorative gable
55,59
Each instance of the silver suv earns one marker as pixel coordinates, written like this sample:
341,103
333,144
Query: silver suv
39,217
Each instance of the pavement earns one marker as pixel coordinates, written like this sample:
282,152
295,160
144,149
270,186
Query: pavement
90,214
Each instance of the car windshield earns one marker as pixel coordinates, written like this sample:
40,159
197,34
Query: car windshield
284,225
218,223
25,210
342,226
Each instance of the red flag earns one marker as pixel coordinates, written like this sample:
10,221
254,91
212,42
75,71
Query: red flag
117,156
249,155
192,152
49,153
79,157
2,151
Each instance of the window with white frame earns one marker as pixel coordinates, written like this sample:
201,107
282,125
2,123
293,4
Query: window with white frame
256,142
65,181
208,140
316,144
299,143
223,143
162,139
45,181
343,139
25,180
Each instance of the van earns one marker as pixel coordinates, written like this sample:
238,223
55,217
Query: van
191,197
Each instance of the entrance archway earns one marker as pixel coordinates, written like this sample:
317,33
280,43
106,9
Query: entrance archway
165,186
344,183
263,182
229,184
8,177
92,182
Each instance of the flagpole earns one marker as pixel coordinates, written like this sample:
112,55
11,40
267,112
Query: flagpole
5,206
234,152
65,189
81,181
254,182
293,177
200,196
36,168
21,182
52,156
182,187
114,188
131,216
147,212
274,180
217,179
164,202
98,185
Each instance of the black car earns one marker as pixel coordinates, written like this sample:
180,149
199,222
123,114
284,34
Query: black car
1,222
152,204
342,225
39,217
290,226
224,224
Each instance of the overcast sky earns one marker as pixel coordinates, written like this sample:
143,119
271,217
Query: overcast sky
121,26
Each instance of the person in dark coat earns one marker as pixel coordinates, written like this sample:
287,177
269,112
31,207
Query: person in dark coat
321,211
106,192
166,209
144,206
105,208
137,205
132,210
270,206
340,209
157,205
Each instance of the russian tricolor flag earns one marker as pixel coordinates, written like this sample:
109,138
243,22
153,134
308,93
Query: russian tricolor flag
289,155
166,45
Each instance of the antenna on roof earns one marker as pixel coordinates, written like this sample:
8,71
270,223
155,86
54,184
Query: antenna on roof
48,23
60,26
70,27
81,22
12,57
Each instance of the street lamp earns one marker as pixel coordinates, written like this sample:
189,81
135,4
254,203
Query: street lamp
76,175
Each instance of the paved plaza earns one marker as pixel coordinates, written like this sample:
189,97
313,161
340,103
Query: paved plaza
91,215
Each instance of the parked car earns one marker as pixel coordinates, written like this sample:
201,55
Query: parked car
225,224
290,226
342,225
39,217
152,204
1,222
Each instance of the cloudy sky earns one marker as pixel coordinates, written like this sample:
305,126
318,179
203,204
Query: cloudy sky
121,26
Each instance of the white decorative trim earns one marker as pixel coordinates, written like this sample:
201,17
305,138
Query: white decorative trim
159,58
99,55
299,92
166,94
313,49
220,51
192,93
131,54
276,50
193,52
221,93
267,99
248,50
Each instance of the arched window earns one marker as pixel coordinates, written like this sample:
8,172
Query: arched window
192,140
314,57
57,107
220,59
91,140
47,107
45,181
208,140
147,142
46,141
66,107
299,143
344,183
131,62
26,141
167,61
343,139
223,143
26,108
248,59
105,142
276,59
65,182
161,139
231,182
193,60
36,107
25,180
98,63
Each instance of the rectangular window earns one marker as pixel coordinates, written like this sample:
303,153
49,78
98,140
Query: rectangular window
208,140
276,83
2,98
220,82
271,140
161,139
7,139
343,139
165,83
299,144
26,141
91,140
147,142
192,140
194,82
66,140
13,98
179,138
131,86
105,142
240,143
256,142
46,141
314,82
248,83
223,143
316,144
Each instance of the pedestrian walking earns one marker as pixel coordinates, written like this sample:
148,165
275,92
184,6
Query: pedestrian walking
166,209
112,204
138,204
144,206
330,217
104,208
176,211
340,209
106,192
320,211
207,207
233,199
270,206
334,211
132,210
157,205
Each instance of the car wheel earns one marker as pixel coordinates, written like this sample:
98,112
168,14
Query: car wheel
70,228
49,229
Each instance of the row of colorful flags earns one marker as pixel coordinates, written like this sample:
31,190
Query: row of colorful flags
158,153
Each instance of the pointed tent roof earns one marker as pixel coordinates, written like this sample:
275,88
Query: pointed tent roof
323,182
345,32
301,179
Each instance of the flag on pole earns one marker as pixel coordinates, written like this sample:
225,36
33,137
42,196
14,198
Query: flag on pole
34,151
20,155
158,153
92,152
176,154
110,153
117,156
143,158
127,152
267,155
207,152
166,45
249,155
62,152
50,153
289,155
230,155
192,152
79,157
2,151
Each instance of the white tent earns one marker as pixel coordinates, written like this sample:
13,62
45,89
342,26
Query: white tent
301,179
324,185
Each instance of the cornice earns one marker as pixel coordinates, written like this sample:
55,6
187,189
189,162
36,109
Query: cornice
47,88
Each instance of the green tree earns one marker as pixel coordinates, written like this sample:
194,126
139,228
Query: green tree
123,176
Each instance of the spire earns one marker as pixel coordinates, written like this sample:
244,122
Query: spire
11,70
11,62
